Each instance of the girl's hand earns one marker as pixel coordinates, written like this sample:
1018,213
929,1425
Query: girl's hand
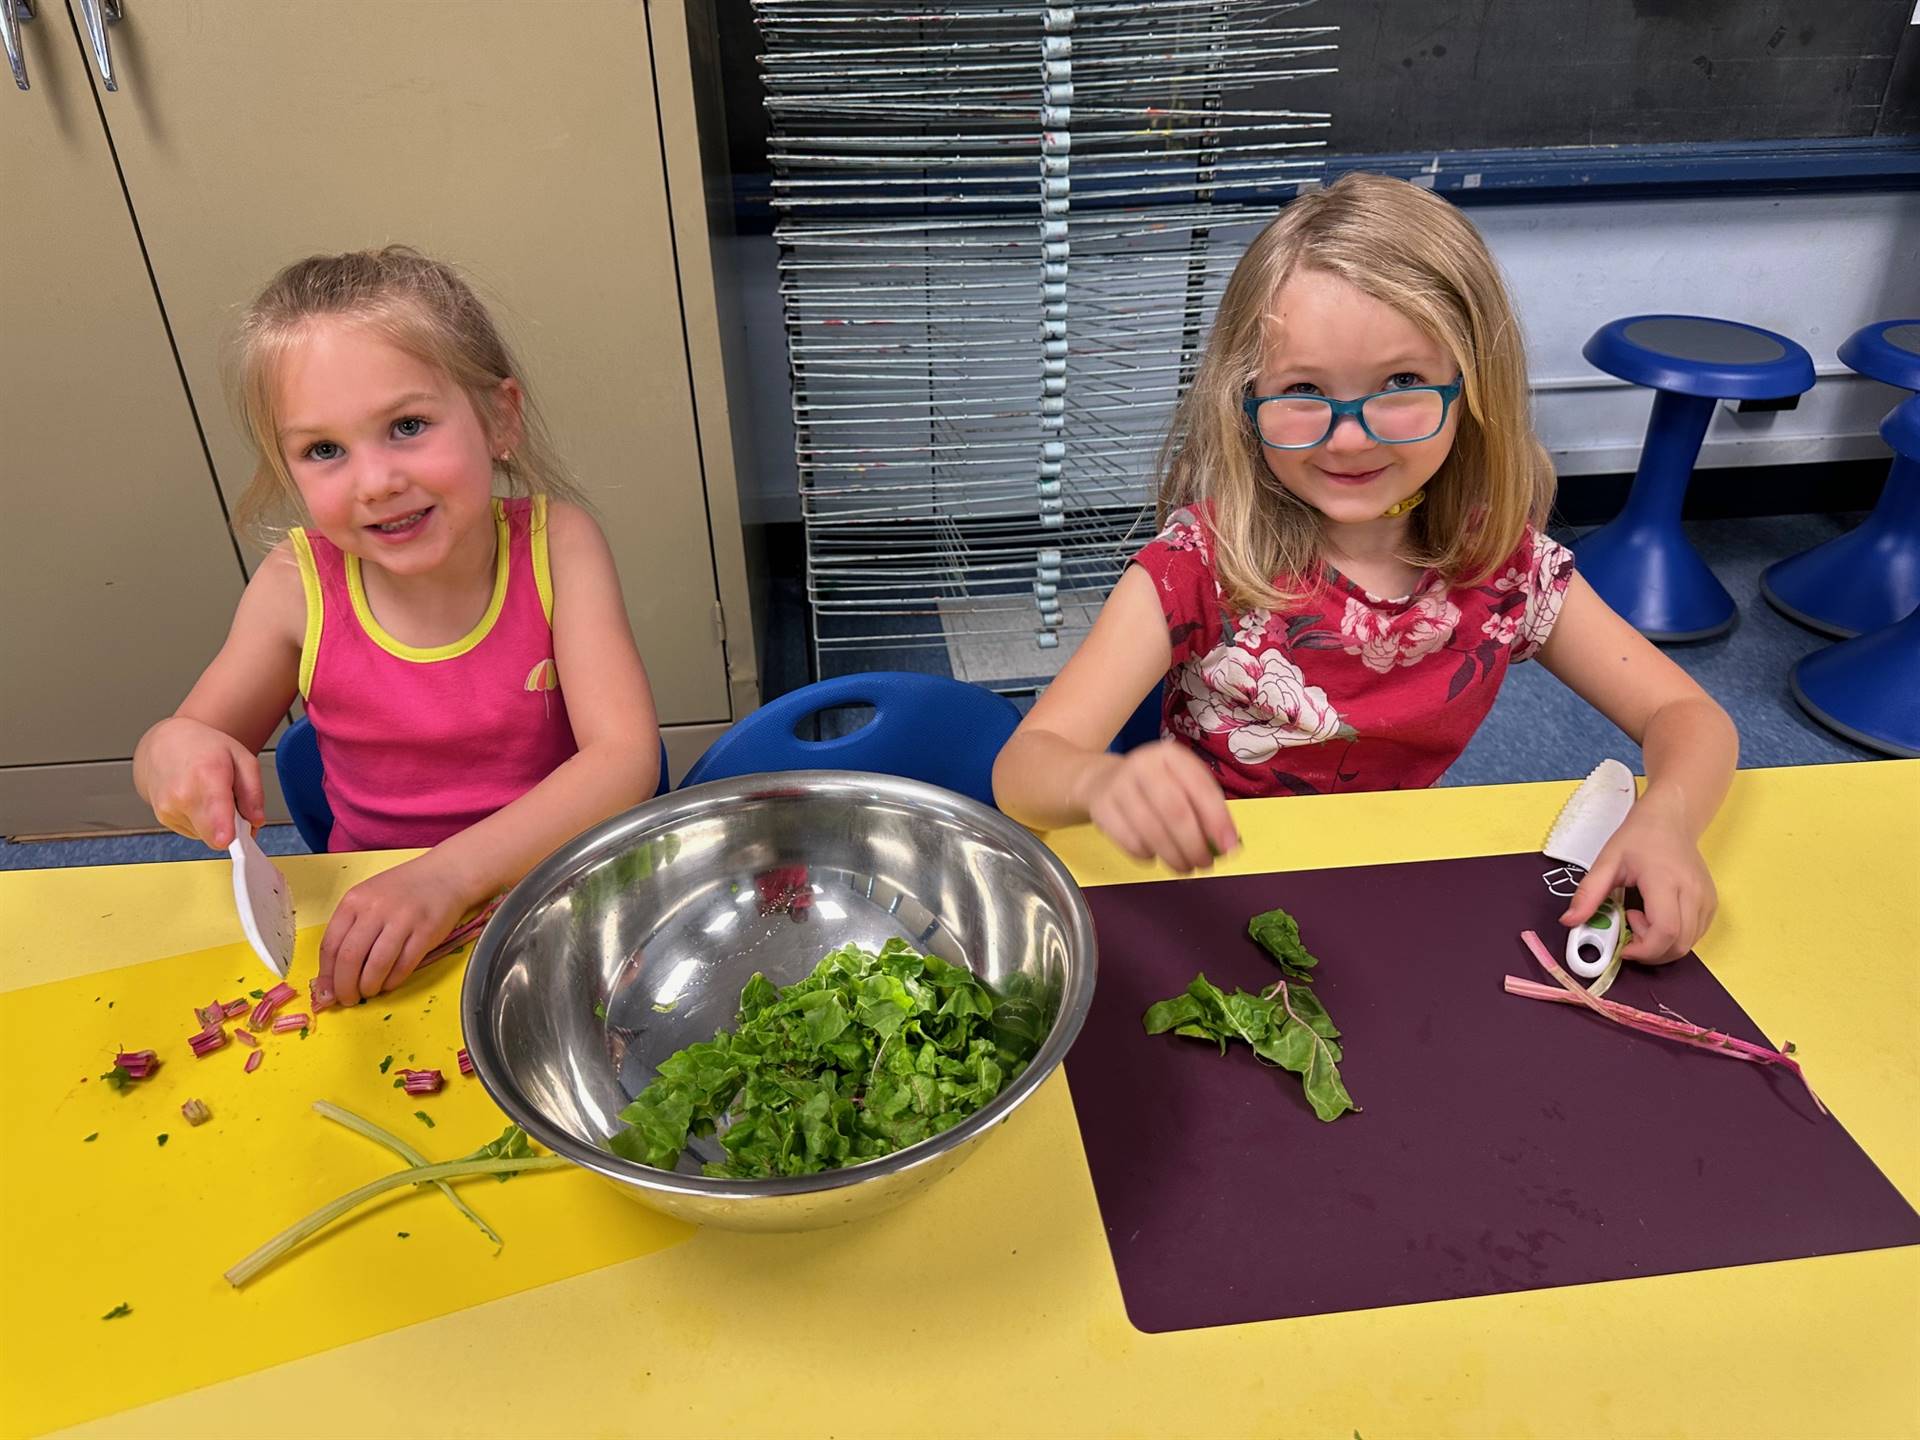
385,925
1160,801
195,777
1653,853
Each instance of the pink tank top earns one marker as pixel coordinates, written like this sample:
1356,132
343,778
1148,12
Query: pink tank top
418,744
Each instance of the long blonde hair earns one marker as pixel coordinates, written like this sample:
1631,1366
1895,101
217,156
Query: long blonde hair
420,306
1411,250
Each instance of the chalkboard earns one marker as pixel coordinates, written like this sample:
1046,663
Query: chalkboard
1423,75
1442,75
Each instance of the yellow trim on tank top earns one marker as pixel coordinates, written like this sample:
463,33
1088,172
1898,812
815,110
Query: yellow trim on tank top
316,605
542,574
422,654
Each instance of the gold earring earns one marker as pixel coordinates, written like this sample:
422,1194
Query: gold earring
1401,507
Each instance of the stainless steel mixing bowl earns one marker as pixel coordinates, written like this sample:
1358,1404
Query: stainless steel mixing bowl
659,916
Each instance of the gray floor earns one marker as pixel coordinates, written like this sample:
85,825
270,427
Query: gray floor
1538,730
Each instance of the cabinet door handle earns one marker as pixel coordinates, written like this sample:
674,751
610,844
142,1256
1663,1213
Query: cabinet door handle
97,15
14,13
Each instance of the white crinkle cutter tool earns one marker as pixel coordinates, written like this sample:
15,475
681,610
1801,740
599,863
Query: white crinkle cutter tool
260,894
1585,824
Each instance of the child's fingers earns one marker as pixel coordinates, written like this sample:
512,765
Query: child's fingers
1592,891
382,955
1115,825
342,950
1181,817
1149,825
1209,804
249,795
1656,926
419,945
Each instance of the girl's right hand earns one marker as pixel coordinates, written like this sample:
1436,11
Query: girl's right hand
195,777
1160,802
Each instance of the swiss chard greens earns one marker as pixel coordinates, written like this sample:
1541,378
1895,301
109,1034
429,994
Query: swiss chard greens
867,1055
1285,1026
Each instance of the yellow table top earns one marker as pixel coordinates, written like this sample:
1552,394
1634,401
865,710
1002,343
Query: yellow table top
1000,1273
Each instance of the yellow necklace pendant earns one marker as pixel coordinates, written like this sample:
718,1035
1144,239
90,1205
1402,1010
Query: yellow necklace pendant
1401,507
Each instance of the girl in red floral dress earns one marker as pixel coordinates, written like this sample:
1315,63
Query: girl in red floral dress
1353,553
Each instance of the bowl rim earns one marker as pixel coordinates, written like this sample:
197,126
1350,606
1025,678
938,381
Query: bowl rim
677,806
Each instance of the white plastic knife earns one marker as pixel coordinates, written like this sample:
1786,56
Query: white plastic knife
260,894
1585,824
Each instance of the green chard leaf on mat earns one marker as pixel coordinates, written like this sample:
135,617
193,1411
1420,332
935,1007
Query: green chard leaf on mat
1285,1026
1277,933
867,1055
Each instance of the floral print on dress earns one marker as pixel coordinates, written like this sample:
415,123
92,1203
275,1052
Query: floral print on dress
1258,703
1383,640
1343,690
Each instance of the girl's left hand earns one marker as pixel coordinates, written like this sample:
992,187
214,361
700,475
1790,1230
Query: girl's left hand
1653,853
385,925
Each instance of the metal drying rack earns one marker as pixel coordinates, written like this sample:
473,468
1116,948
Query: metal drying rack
1003,229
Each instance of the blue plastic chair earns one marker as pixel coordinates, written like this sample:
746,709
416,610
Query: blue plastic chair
1868,688
297,759
1143,726
924,727
1641,562
1868,578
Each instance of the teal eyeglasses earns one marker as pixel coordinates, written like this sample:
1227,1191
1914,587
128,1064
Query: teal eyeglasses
1390,417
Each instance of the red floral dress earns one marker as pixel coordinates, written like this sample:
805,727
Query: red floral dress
1344,691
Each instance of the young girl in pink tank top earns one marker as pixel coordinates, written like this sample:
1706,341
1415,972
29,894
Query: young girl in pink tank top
464,655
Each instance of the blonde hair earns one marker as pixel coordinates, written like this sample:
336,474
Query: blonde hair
420,306
1411,250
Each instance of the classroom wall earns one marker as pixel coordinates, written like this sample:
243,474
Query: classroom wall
1814,267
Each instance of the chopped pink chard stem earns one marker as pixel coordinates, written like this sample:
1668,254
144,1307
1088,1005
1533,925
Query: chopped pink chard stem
422,1082
206,1042
270,1002
320,993
1645,1021
297,1020
211,1017
466,1061
235,1007
196,1112
253,1061
247,1038
137,1063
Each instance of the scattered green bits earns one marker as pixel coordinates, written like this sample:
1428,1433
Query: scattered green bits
258,994
88,1140
386,1064
161,1138
424,1118
123,1308
599,1009
404,1234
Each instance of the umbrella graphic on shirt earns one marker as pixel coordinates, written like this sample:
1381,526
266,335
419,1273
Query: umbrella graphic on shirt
544,676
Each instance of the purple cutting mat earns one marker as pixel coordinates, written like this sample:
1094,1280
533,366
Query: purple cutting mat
1506,1144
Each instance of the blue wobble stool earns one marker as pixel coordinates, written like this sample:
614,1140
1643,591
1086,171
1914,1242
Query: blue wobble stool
1869,577
1868,688
1640,562
924,727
